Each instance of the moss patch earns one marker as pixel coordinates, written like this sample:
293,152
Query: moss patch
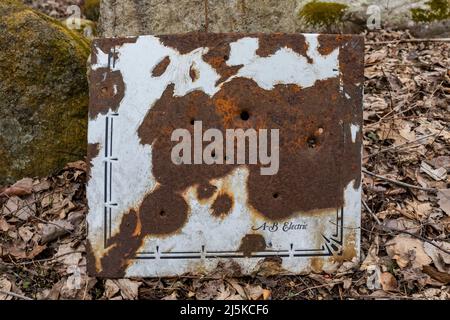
322,14
91,9
437,10
43,93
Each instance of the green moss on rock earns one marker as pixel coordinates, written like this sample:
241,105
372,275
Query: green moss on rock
322,14
43,93
437,10
91,9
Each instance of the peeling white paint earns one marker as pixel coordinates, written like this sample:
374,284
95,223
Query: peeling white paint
133,178
285,66
354,129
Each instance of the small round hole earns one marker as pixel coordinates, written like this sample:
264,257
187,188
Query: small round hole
275,195
213,154
162,213
245,115
192,121
312,142
225,57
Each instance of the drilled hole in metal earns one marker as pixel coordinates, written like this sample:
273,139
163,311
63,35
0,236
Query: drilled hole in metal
225,57
245,115
275,195
312,142
162,213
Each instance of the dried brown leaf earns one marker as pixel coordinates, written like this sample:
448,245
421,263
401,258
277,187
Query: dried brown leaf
129,289
57,228
5,285
406,250
20,188
388,282
442,277
444,200
111,289
440,259
26,233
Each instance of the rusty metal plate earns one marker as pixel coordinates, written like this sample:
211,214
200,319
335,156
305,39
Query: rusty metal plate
291,204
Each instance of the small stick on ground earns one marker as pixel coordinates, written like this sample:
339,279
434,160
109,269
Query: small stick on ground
42,260
385,228
403,184
409,41
401,146
371,212
16,295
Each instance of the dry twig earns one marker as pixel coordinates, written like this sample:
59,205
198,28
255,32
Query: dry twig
408,41
403,184
16,295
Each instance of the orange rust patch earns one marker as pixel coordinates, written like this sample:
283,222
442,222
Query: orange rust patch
270,266
163,212
205,190
122,248
90,260
316,264
193,73
328,44
269,44
161,67
92,152
228,109
348,249
106,91
107,46
222,205
252,243
137,231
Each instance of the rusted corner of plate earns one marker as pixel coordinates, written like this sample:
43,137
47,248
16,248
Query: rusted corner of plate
291,204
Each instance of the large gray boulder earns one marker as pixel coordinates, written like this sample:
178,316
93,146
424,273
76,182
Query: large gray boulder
43,93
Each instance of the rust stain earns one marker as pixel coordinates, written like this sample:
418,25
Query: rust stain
91,261
163,212
270,266
348,249
108,46
252,243
161,67
271,43
218,44
106,91
303,116
92,152
122,247
228,268
106,88
193,73
317,264
227,108
222,205
205,190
